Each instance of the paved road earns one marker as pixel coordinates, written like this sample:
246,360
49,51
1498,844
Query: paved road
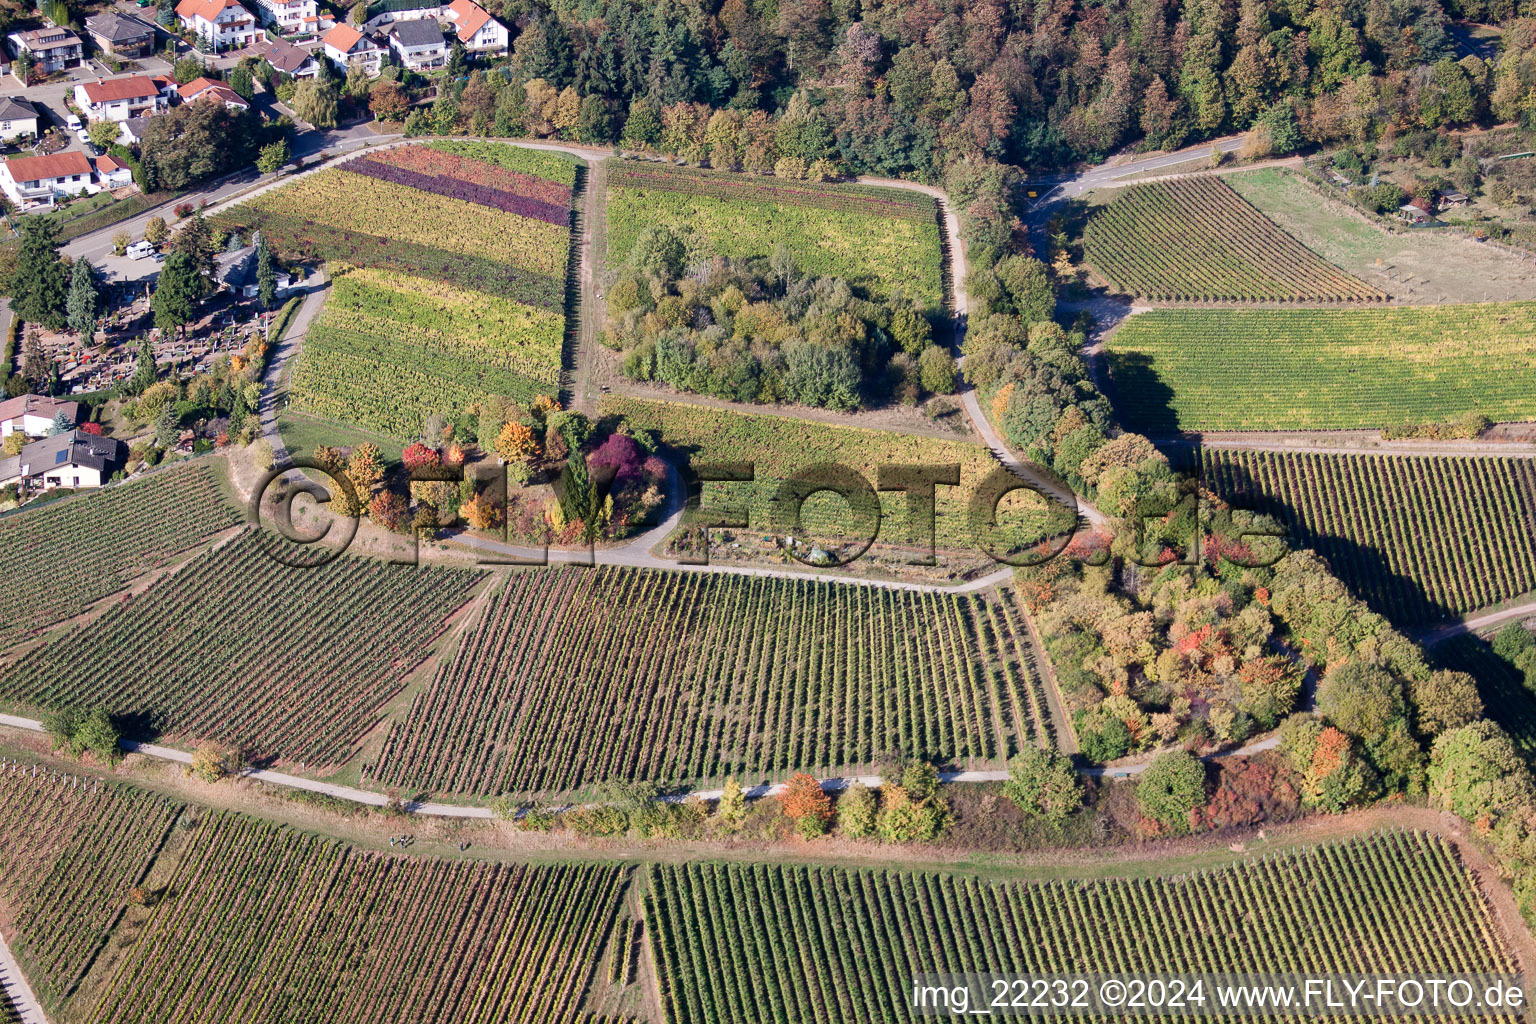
1350,442
1106,174
282,351
17,988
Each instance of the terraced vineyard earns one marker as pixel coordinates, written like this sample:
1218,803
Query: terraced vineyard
779,447
580,676
264,924
1419,538
90,546
1196,240
884,240
390,349
1323,369
465,249
69,853
294,663
449,228
749,942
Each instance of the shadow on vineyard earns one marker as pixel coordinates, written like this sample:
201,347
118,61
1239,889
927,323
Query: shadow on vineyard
1364,569
1139,394
1500,684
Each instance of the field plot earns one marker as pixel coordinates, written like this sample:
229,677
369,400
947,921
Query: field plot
779,447
291,663
1196,240
263,924
68,857
464,250
90,546
581,676
1418,538
1410,265
884,240
1323,369
1500,684
389,349
795,943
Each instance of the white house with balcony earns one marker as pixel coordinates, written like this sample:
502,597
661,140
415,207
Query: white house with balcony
118,99
51,49
477,30
294,17
346,47
223,24
419,44
28,180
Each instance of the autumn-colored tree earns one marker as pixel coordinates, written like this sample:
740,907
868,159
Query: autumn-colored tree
732,809
803,797
389,510
365,468
517,442
329,459
453,456
419,456
480,513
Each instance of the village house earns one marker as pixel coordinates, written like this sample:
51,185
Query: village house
223,24
236,271
112,172
51,49
477,30
18,119
294,17
418,44
71,459
346,47
290,59
34,415
118,99
27,180
120,34
131,131
203,89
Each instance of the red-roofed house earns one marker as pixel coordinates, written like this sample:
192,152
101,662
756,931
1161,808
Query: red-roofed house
208,89
223,23
294,16
112,172
32,179
477,30
118,99
345,46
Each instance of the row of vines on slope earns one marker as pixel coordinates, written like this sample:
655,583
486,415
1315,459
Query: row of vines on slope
575,677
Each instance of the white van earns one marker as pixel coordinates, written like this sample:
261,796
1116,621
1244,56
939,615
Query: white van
138,250
73,121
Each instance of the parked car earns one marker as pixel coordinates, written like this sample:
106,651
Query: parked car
138,250
74,123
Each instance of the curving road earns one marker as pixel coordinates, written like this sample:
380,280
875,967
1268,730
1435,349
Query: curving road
1478,623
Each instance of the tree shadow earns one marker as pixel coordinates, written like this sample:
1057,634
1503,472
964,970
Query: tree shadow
1144,400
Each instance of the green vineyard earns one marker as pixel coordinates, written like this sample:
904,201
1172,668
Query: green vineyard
759,942
1419,538
94,545
70,851
294,663
574,677
1323,369
1196,240
264,924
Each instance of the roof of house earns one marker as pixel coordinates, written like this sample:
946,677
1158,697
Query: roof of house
134,87
208,10
134,126
286,57
10,468
57,165
342,37
202,88
14,108
46,38
70,448
468,16
106,164
37,405
116,27
417,32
